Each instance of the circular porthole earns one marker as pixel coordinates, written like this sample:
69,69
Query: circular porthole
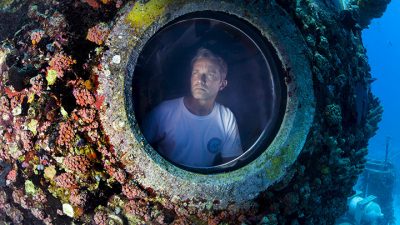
255,91
262,77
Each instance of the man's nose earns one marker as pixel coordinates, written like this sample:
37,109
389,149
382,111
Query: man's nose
203,78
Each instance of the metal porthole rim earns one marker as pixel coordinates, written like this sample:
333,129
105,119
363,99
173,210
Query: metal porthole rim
136,24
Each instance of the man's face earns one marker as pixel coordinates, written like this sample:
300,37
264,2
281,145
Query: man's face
206,80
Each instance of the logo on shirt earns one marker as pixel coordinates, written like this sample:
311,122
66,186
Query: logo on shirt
214,145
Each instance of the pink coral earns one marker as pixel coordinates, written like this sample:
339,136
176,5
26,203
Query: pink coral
37,85
26,138
107,153
77,164
117,173
4,104
66,180
40,197
12,175
20,198
44,126
100,218
93,136
98,33
38,213
78,198
61,63
87,115
90,127
66,134
120,176
132,191
136,208
36,36
83,96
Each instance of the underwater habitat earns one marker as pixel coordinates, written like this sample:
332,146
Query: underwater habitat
206,112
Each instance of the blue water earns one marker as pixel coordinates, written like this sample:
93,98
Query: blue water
382,41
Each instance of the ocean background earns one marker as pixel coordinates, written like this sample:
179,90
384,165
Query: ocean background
382,42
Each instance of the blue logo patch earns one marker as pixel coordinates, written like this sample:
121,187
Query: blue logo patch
214,145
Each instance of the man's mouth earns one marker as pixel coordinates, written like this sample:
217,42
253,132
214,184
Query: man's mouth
201,88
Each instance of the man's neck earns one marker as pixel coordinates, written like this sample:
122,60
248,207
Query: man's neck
198,107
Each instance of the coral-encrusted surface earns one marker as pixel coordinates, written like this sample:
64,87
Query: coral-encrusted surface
57,165
234,189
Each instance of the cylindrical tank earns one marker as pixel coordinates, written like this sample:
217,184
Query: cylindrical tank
378,179
365,210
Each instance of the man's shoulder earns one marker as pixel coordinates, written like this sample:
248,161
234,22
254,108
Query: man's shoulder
223,110
225,114
171,102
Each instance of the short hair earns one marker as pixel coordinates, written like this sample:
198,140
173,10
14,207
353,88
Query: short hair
203,53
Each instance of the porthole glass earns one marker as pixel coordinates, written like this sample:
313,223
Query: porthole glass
203,85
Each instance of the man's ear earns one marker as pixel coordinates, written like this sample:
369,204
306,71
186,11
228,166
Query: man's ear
223,85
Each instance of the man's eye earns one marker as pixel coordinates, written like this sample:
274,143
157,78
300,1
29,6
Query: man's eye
211,76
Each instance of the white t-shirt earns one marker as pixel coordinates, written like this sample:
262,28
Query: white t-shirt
192,140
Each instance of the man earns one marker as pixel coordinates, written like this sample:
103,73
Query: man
195,130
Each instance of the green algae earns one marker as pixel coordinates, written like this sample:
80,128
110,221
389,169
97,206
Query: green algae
274,171
51,77
5,3
32,126
30,187
144,14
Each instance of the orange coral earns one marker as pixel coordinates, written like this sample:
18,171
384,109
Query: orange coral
117,173
12,175
93,3
77,164
98,33
66,134
105,1
96,4
83,97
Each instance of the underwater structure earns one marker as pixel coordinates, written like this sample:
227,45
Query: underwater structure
77,78
373,201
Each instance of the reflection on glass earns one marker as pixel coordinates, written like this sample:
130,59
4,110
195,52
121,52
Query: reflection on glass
207,93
